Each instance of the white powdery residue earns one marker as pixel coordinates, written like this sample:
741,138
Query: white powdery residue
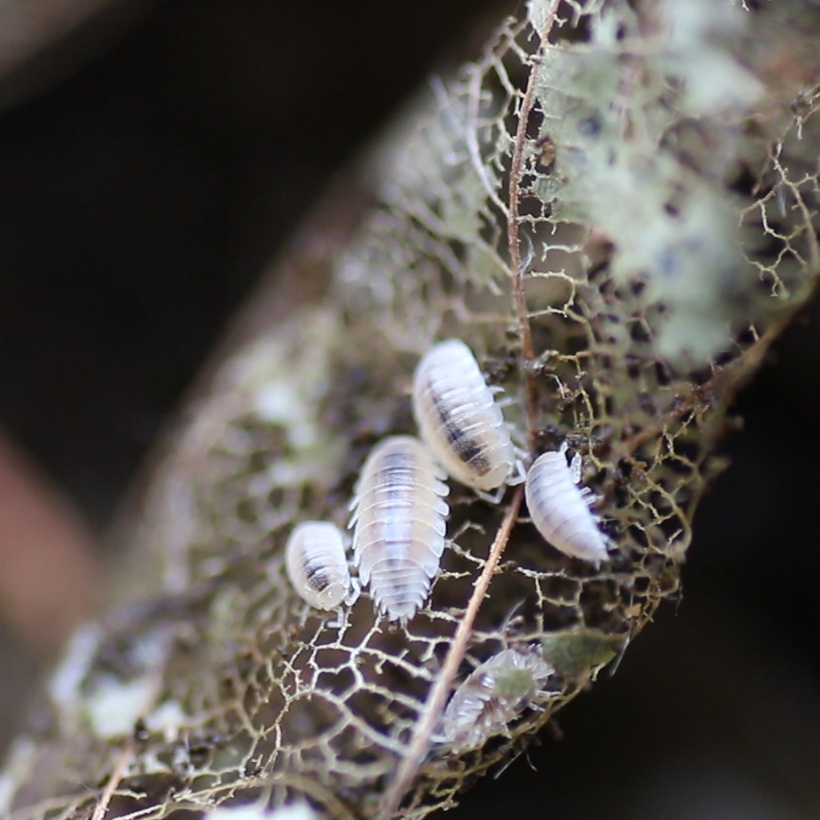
167,718
714,81
688,260
674,233
150,649
278,402
64,685
283,393
252,365
287,390
115,706
282,402
361,289
693,265
309,468
148,763
737,88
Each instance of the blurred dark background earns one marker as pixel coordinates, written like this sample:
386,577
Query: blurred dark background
147,175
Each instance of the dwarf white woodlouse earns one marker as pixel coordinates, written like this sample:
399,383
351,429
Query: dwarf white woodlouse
398,525
559,508
491,697
317,566
459,419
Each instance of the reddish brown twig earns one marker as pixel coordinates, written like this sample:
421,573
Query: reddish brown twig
113,781
513,238
420,741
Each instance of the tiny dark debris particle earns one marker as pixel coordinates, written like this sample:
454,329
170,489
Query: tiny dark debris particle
647,404
499,370
633,365
199,755
611,528
244,663
141,733
662,374
624,470
545,159
591,126
253,769
597,270
549,437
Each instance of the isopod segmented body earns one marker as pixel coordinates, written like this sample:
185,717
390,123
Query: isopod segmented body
459,419
493,696
398,525
316,564
559,508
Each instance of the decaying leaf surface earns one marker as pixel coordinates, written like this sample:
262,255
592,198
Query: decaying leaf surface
618,215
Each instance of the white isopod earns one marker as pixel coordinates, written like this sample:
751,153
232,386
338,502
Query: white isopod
559,508
459,419
398,525
495,694
317,566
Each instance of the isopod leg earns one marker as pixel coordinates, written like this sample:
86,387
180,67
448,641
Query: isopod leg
355,592
520,474
575,467
492,498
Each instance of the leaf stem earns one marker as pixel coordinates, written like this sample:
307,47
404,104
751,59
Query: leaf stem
513,236
420,742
